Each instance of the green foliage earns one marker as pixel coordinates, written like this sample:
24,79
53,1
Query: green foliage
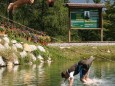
54,20
8,54
40,16
109,21
25,60
36,52
1,29
96,1
45,55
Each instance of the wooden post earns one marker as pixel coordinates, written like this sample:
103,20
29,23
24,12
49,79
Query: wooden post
69,35
102,34
101,22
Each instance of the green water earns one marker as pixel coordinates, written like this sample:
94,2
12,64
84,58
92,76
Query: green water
103,73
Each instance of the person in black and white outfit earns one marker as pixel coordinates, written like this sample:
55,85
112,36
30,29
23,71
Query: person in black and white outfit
81,67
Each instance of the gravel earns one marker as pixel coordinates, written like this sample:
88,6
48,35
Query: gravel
81,44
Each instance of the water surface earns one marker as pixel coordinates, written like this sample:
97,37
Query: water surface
102,73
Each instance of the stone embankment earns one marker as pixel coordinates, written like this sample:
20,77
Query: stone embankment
11,51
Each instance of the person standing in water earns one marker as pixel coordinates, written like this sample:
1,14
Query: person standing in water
81,67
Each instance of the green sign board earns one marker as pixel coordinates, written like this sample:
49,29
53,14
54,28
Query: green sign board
84,18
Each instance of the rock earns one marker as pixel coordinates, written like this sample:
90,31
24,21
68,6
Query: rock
33,57
6,45
13,41
49,60
23,54
27,47
2,47
33,47
16,62
2,63
14,47
6,39
108,51
19,45
41,48
40,58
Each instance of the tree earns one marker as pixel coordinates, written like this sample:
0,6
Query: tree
109,21
52,20
96,1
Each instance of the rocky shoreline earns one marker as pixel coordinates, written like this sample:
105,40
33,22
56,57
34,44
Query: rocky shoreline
12,51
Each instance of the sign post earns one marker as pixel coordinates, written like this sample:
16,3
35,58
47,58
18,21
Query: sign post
85,16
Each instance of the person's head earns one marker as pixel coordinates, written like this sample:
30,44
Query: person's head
65,75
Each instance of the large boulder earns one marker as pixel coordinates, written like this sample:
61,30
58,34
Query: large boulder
33,47
19,45
23,54
27,47
41,48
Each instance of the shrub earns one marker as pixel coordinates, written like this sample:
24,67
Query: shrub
8,54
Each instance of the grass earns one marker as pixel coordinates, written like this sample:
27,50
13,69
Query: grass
80,52
8,54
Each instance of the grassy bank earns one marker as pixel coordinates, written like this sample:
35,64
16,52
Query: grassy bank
105,53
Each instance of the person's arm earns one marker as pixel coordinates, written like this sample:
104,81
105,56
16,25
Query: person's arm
71,78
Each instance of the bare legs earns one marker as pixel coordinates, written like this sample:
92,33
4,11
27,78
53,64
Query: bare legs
71,80
85,78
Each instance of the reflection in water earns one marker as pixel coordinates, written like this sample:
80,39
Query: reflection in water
41,73
1,75
102,74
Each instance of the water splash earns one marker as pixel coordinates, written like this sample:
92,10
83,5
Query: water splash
63,84
95,82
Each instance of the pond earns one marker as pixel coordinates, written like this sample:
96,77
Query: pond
44,74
